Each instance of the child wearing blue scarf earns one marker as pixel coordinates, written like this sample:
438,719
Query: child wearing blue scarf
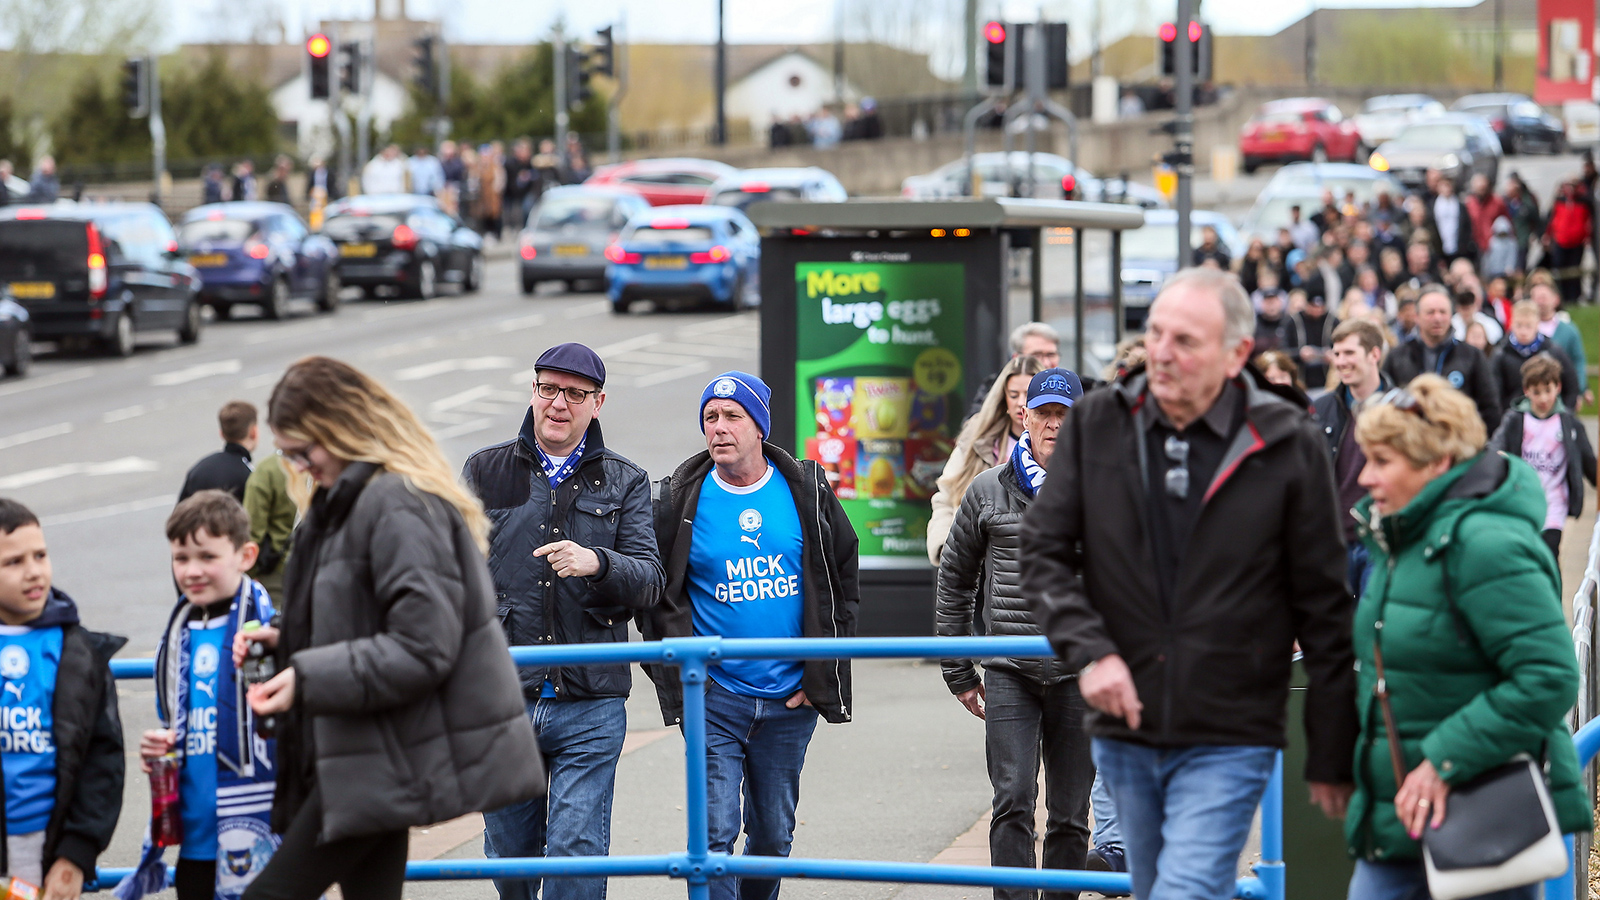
227,773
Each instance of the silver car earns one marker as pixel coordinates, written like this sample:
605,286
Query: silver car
1381,118
1458,145
1050,177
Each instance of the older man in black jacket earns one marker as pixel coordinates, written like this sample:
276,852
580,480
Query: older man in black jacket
1027,705
1186,538
573,553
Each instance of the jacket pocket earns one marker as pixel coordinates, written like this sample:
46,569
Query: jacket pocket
502,610
594,522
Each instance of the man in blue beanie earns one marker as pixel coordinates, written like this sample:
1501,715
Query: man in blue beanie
573,554
756,546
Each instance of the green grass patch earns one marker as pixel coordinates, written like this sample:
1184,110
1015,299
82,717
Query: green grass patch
1587,321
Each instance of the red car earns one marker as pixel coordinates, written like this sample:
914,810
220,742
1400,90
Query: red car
665,182
1302,128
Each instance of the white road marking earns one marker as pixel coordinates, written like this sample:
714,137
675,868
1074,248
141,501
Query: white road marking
106,512
673,374
197,372
125,413
464,428
127,465
33,384
37,434
637,342
446,366
598,307
518,324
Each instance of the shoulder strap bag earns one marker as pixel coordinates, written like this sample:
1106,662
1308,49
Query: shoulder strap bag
1499,830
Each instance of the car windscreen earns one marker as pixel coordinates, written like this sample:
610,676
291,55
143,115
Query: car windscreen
1277,118
1526,109
741,198
1157,241
1392,104
42,249
217,231
1365,189
350,228
1437,136
647,236
584,213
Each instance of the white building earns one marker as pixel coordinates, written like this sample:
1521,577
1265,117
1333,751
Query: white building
292,100
791,84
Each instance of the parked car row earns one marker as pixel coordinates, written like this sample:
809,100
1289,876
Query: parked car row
1053,177
100,274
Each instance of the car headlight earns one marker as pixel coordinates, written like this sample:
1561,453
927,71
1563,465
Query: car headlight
1377,162
1451,161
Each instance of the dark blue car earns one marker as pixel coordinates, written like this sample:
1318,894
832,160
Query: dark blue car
686,252
258,253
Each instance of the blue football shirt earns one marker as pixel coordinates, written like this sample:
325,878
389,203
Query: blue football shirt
29,661
197,783
745,579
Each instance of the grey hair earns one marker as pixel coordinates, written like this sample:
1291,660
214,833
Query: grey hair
1238,314
1039,329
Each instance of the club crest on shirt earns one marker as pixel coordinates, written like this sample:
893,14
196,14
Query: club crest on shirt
205,661
13,663
1457,380
750,520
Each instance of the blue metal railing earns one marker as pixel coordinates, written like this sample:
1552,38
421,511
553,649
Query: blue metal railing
697,865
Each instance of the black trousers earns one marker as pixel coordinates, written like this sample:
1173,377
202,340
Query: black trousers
365,868
1024,721
196,879
1552,537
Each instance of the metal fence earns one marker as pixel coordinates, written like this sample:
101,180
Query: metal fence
1585,711
698,866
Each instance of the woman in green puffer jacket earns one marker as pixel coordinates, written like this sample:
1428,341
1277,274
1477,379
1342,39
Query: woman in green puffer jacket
1465,598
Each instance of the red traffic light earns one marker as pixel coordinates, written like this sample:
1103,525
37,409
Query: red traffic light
995,33
318,45
1194,31
1169,32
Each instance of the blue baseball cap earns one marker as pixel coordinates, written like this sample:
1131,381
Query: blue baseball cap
1056,385
573,359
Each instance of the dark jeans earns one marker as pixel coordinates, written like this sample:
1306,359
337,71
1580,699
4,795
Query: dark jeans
1565,263
755,749
365,868
581,741
1022,719
196,879
1552,539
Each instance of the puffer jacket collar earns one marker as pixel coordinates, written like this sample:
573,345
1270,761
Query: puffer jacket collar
1430,518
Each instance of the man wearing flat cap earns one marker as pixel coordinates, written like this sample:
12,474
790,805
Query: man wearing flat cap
574,558
756,546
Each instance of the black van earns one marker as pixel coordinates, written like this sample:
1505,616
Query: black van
98,272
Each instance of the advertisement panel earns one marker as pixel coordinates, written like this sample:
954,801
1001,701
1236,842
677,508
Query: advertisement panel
880,392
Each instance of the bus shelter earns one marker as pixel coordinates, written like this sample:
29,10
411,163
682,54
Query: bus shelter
879,321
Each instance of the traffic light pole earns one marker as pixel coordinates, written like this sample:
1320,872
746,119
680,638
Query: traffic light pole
364,111
619,61
1183,134
158,129
559,45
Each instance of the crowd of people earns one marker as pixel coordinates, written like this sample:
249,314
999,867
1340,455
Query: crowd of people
335,670
822,129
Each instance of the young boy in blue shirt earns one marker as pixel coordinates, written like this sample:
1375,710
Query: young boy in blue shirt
226,770
60,734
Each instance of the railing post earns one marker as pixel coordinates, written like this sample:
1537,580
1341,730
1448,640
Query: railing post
1270,869
692,658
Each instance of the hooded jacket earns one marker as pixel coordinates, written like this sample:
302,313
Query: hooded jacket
407,709
1508,372
1476,651
1574,438
87,731
982,566
829,563
604,506
1264,567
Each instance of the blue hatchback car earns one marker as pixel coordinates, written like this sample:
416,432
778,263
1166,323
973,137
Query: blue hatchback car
260,253
686,252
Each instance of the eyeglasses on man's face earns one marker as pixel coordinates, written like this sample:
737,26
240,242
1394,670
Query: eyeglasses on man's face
575,396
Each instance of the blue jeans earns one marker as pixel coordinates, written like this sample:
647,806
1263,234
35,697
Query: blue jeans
1359,568
1409,881
755,749
581,741
1106,832
1185,813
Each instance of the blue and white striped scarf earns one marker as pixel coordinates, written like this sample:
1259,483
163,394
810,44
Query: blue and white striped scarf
567,468
1030,475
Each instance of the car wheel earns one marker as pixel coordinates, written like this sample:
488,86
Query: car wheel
21,354
1319,154
569,286
189,333
369,291
620,307
1251,164
529,286
331,286
223,311
474,279
427,283
121,342
277,306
